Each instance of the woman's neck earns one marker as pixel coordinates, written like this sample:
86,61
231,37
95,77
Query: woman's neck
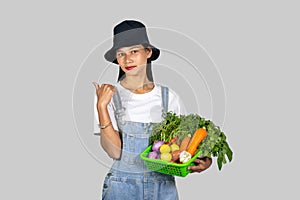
138,85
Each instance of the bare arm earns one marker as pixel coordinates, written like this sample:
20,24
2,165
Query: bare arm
109,139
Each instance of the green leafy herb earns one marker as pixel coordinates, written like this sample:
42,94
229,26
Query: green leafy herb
214,145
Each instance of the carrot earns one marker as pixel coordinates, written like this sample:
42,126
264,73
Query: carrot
184,143
196,139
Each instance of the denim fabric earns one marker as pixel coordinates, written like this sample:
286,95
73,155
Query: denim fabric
120,185
129,179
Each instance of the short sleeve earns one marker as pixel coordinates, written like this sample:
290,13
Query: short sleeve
175,103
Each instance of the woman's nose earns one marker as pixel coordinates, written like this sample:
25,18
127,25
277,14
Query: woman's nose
128,59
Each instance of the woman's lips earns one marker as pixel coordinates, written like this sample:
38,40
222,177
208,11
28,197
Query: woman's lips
129,67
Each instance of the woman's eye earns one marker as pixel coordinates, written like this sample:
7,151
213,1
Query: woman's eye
120,54
134,51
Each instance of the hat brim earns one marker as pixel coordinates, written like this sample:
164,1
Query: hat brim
110,55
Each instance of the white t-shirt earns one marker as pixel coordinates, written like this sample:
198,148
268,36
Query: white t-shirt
143,108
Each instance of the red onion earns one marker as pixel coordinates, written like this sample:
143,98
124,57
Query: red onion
156,145
153,154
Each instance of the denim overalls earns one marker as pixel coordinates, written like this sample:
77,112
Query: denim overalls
129,179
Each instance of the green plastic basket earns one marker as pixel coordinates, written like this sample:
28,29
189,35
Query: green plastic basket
167,167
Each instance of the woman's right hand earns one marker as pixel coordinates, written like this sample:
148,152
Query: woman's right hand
104,94
110,139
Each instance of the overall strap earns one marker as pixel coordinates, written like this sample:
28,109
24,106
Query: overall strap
165,100
118,104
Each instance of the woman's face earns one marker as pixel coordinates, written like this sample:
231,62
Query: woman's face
133,59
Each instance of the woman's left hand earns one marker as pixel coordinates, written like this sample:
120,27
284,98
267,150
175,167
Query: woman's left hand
201,164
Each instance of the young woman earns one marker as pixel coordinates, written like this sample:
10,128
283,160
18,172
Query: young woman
125,111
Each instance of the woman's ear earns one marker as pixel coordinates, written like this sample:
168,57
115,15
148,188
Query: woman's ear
149,52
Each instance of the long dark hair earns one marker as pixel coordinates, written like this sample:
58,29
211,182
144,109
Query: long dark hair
148,69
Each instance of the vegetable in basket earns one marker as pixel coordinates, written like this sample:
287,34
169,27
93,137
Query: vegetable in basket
193,144
197,138
156,145
183,128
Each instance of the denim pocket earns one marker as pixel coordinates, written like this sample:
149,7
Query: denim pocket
134,145
124,189
106,185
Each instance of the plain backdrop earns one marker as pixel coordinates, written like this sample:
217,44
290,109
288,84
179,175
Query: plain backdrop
49,52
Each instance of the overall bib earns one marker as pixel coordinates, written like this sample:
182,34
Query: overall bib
129,179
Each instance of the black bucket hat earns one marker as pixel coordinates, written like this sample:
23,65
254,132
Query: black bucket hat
129,33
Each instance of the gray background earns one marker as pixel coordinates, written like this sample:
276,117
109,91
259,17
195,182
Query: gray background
255,45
